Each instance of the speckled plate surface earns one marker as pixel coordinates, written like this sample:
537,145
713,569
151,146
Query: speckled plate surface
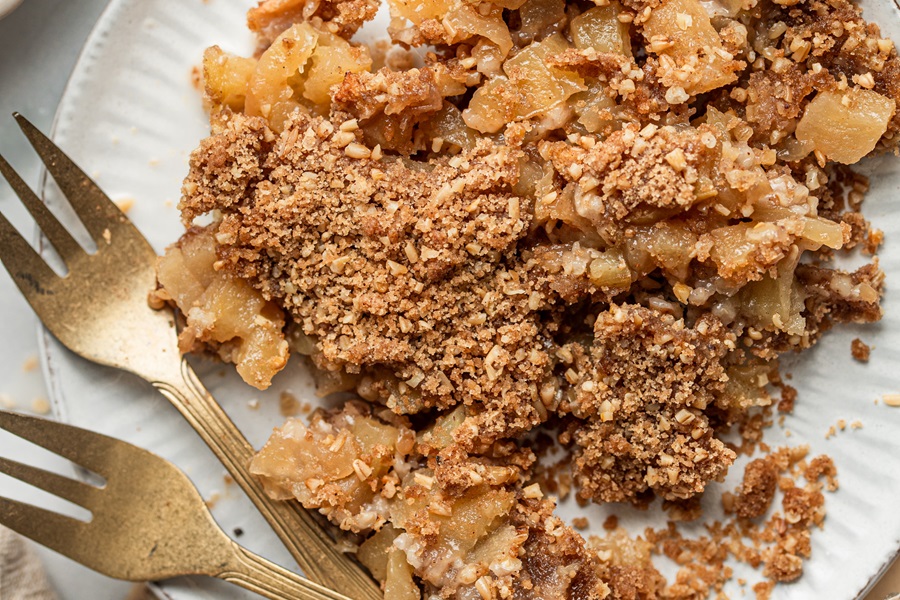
130,117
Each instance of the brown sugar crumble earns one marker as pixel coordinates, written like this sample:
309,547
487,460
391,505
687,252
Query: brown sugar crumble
859,350
788,398
288,405
777,544
757,490
611,523
568,227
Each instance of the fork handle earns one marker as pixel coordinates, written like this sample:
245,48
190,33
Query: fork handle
304,538
259,575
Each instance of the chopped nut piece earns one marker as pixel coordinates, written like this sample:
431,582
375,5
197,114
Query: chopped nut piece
355,150
891,399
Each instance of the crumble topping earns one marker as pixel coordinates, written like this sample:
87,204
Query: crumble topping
340,17
649,379
600,223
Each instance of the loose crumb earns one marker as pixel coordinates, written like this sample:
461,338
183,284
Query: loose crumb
581,523
788,398
757,490
125,204
860,350
213,500
41,406
891,399
30,364
7,402
288,405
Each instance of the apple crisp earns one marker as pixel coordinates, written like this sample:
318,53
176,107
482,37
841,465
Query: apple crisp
601,220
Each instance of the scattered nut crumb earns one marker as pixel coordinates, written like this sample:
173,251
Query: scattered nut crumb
30,364
125,204
860,350
7,402
891,399
288,405
581,523
788,398
757,489
213,500
41,406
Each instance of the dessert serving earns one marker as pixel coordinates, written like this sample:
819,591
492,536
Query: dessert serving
532,228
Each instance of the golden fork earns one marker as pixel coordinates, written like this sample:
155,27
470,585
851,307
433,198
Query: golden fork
99,310
148,520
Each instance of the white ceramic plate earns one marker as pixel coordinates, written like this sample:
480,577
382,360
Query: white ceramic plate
7,6
130,116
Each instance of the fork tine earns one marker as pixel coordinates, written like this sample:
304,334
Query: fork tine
31,274
69,489
91,450
96,210
45,527
64,243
